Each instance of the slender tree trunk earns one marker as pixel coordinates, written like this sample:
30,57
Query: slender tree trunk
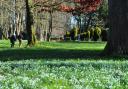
79,23
18,24
88,22
50,27
29,23
118,34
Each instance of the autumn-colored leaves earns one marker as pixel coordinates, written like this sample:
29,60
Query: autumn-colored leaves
69,5
81,6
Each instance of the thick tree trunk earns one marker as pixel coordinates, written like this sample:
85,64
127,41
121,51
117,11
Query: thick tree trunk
118,34
29,23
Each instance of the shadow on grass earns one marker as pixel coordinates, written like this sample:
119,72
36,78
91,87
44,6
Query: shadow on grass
58,54
77,42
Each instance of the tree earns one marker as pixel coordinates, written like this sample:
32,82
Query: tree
76,7
103,13
48,6
29,23
80,7
11,16
118,19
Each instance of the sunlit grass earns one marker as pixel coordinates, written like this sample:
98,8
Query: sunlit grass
58,45
51,50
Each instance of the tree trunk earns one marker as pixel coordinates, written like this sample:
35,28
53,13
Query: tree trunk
88,22
29,23
79,23
50,27
118,33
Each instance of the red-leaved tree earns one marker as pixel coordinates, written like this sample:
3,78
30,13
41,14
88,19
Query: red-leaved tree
78,7
81,5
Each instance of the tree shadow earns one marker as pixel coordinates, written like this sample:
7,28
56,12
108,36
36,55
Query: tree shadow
54,54
58,54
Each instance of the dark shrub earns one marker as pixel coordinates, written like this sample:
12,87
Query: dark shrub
97,33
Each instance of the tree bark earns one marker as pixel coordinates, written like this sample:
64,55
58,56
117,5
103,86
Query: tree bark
118,33
50,26
29,22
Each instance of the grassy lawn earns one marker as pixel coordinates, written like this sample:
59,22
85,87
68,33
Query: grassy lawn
61,65
51,50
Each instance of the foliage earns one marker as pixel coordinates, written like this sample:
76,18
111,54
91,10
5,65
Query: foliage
103,10
103,13
81,6
70,74
97,33
92,34
71,6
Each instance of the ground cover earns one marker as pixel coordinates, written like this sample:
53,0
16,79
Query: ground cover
61,65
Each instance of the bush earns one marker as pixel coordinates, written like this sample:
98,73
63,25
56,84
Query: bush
85,36
88,35
97,33
91,33
67,35
74,33
82,36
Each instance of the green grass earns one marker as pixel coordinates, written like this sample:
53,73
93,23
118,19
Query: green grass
71,74
61,65
51,50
